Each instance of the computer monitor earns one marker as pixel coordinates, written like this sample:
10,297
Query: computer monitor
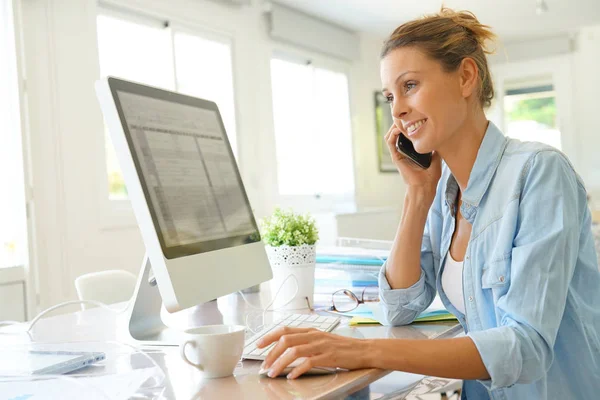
189,200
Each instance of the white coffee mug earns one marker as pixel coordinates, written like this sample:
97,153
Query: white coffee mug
215,349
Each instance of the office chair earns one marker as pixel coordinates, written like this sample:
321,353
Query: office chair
108,287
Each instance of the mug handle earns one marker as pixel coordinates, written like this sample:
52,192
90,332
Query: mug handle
182,353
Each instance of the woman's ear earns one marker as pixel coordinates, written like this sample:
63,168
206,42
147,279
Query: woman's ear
469,77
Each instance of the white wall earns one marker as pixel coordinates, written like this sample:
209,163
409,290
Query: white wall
77,229
374,189
586,107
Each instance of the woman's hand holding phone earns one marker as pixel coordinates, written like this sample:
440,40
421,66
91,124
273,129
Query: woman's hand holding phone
414,176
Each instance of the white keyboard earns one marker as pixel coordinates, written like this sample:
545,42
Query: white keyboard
325,324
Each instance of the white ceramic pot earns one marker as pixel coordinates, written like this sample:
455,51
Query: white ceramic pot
292,261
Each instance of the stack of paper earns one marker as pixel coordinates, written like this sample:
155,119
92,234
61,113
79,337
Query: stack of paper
351,258
349,268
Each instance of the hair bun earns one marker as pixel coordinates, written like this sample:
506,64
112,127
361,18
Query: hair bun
468,21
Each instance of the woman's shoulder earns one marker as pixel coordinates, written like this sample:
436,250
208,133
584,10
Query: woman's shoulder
528,159
526,150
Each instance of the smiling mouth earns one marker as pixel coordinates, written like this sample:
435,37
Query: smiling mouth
412,129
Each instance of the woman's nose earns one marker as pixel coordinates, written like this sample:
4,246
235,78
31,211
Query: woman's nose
399,109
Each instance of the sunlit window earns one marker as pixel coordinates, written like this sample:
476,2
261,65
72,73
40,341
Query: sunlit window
204,69
530,115
13,222
151,53
312,130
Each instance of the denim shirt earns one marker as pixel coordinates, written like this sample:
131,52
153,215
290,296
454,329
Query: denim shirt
531,283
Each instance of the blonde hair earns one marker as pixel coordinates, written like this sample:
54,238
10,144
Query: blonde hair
449,37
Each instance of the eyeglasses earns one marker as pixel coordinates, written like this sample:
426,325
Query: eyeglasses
345,300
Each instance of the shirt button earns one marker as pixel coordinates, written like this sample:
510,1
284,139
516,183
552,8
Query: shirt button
470,298
467,257
501,278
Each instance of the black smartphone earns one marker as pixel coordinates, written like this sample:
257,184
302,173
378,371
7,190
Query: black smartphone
405,146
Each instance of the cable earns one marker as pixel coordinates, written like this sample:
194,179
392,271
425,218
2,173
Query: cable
157,380
266,309
35,320
55,307
123,355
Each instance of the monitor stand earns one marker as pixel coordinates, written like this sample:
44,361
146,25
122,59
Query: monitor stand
144,323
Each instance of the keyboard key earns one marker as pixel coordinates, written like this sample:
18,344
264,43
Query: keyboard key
307,325
256,352
265,351
250,349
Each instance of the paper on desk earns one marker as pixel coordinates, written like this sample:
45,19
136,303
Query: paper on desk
117,387
374,315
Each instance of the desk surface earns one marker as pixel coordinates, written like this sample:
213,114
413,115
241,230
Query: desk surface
185,382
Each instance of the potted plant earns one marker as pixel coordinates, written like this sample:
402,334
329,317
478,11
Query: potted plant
290,244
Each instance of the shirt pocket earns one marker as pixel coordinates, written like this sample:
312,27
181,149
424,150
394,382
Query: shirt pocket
496,276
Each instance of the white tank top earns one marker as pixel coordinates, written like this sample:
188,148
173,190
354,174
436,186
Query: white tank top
452,282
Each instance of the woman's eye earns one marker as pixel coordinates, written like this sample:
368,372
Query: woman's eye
389,99
408,86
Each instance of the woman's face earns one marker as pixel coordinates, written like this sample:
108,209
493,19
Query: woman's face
427,103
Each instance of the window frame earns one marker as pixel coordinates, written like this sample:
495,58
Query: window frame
30,269
541,87
218,38
322,202
554,69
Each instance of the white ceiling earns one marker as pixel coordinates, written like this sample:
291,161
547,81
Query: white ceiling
512,20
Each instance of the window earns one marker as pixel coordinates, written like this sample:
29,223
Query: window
204,70
146,51
313,134
13,226
530,114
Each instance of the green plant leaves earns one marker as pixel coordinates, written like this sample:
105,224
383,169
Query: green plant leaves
289,228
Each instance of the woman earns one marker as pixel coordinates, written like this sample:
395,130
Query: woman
501,230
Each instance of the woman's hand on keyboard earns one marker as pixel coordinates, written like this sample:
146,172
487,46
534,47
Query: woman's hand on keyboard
320,349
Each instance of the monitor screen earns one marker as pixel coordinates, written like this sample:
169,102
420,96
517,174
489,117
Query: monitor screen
187,170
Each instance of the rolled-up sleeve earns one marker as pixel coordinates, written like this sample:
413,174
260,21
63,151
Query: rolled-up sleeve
402,306
543,258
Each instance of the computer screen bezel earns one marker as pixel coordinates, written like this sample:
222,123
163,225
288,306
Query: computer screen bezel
172,252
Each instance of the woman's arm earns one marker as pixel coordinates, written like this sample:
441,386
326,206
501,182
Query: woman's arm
407,279
447,358
403,267
451,358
